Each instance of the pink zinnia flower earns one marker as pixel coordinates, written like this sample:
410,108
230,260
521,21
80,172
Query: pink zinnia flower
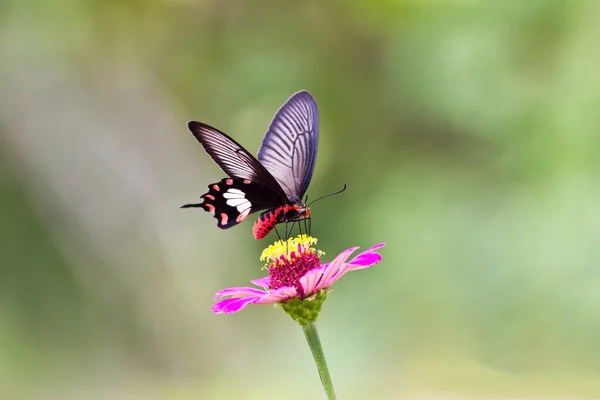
296,275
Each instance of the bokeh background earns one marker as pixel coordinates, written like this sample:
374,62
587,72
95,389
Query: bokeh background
468,135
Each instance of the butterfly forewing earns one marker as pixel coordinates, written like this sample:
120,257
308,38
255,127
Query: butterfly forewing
233,159
289,148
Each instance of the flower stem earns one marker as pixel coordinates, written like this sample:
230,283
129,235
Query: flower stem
312,337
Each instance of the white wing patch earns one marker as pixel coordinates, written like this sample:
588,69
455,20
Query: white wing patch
236,198
234,194
236,202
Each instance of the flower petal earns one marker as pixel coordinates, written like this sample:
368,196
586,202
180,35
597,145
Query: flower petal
310,279
277,295
239,292
230,306
262,282
329,273
245,296
365,259
375,247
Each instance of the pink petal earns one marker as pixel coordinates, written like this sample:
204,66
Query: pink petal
262,282
310,279
239,292
323,277
330,271
350,267
230,306
344,269
245,296
357,267
375,247
276,295
363,260
367,257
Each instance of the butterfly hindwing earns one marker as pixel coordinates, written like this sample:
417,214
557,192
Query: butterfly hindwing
233,199
289,148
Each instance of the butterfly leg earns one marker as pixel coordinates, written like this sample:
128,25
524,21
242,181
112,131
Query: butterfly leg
287,236
288,232
306,223
277,232
293,225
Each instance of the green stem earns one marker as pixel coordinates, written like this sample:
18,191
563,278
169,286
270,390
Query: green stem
312,337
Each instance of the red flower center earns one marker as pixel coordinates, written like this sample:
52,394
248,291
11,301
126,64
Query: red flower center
287,270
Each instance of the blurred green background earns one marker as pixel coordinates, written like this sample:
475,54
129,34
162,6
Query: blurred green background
467,132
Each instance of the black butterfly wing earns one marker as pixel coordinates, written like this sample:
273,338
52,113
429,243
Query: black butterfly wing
235,161
232,200
289,148
251,187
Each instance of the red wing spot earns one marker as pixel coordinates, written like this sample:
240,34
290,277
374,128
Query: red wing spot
216,188
210,208
229,182
243,215
224,219
209,196
247,181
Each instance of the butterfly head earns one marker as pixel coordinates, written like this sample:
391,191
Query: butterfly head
300,211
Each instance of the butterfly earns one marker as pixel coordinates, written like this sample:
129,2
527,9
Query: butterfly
275,181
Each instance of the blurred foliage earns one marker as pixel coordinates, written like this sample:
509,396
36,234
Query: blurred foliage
467,132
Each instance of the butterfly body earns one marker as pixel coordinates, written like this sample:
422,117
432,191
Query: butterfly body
287,213
276,181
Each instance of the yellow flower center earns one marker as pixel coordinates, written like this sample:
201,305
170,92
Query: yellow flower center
299,244
288,261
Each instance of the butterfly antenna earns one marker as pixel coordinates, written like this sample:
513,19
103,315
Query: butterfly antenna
327,195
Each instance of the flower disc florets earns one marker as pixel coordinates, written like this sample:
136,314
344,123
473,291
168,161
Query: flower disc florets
290,260
281,248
